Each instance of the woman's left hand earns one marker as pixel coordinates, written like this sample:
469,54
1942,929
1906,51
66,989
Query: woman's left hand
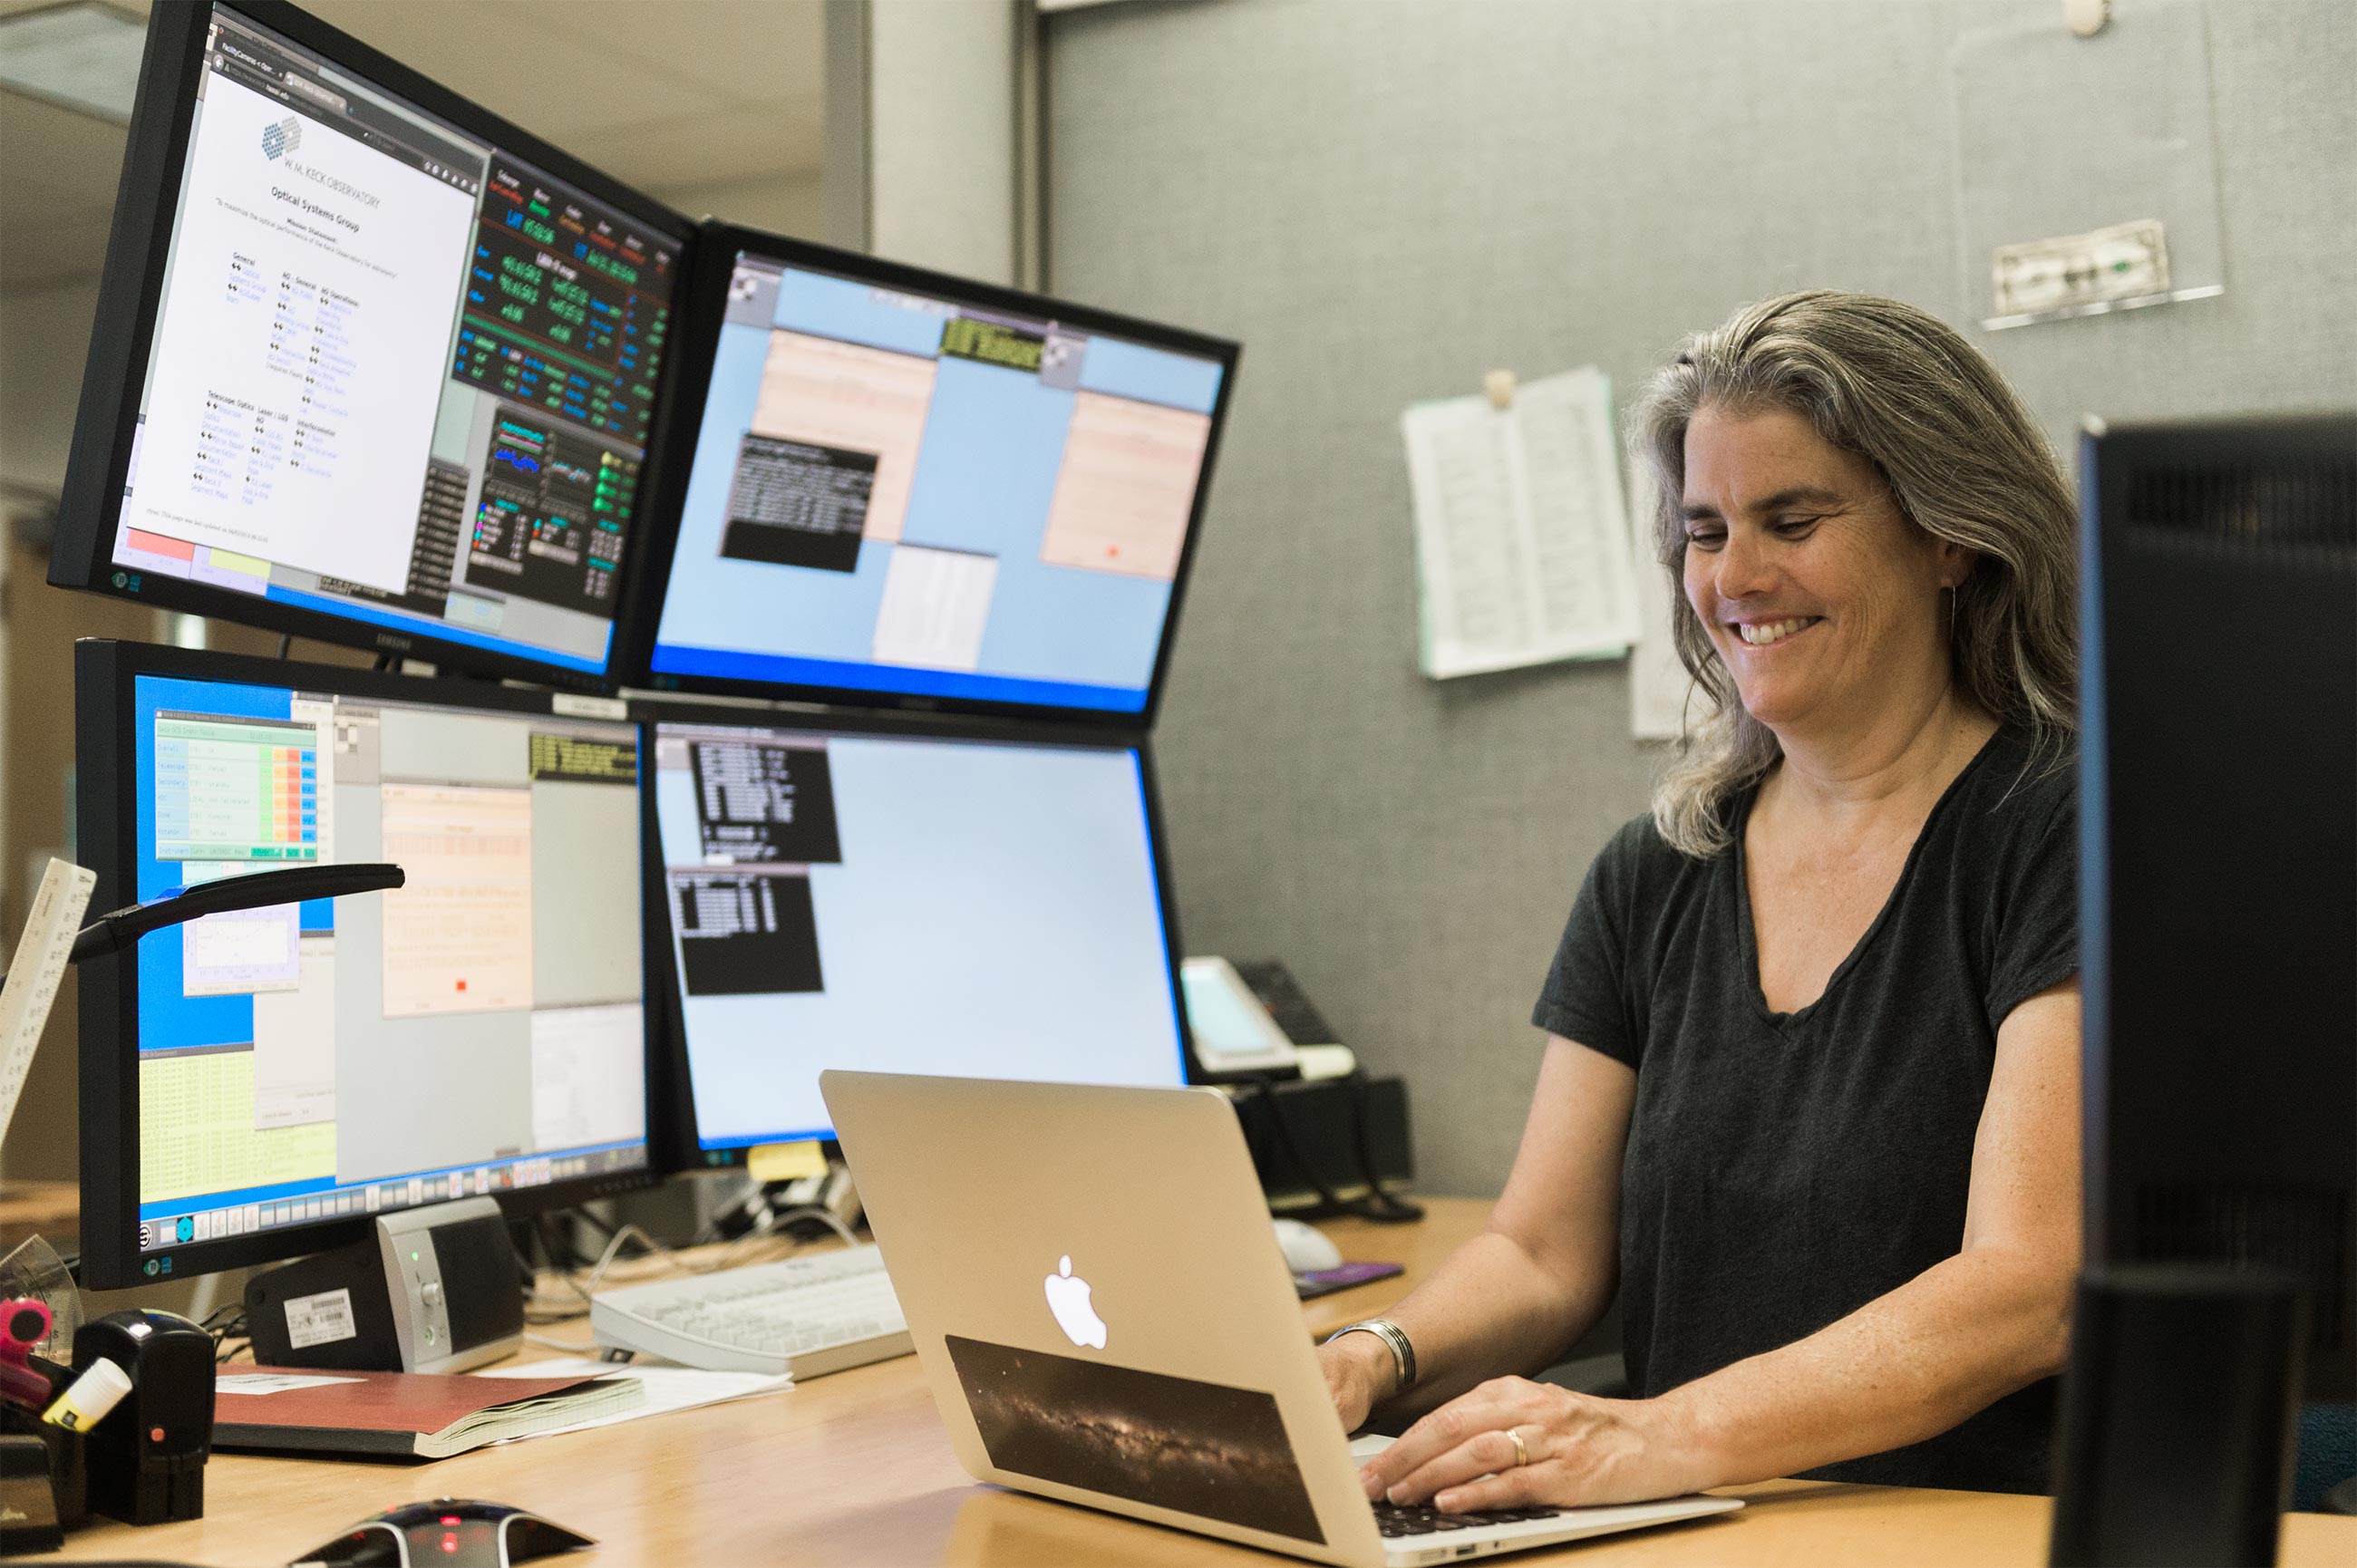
1581,1450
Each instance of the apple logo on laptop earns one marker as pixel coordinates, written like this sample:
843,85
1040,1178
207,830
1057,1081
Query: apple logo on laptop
1067,1298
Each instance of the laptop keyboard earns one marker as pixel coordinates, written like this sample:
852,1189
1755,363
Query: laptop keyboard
1420,1518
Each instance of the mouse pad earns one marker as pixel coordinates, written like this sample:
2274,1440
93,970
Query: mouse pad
1198,1448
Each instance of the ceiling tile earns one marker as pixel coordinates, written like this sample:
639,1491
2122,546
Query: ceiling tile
551,79
754,51
716,94
701,149
138,8
30,199
60,144
781,203
34,253
600,65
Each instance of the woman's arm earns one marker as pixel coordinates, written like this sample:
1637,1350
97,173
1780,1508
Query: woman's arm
1905,1367
1525,1289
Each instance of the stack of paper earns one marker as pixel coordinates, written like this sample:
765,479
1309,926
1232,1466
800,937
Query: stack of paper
666,1388
425,1415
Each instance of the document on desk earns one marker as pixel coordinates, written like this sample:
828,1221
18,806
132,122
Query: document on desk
667,1387
1522,533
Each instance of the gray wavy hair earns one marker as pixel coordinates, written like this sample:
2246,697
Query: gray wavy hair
1965,463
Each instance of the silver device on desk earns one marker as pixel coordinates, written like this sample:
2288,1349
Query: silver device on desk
1103,1317
807,1315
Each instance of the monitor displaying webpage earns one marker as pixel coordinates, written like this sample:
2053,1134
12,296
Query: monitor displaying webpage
898,494
905,903
399,375
477,1030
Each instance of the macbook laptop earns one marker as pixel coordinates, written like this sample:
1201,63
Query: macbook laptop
1103,1318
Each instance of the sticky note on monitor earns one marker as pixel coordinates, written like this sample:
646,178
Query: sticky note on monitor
785,1162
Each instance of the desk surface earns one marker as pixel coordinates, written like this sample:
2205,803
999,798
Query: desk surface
857,1468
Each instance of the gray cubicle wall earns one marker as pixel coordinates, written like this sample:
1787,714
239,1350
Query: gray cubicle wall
1385,198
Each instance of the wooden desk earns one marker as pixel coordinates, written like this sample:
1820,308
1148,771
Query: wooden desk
855,1469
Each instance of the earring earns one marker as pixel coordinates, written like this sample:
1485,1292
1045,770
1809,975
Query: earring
1951,615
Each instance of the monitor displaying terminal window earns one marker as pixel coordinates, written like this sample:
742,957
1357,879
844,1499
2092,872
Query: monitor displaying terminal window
901,487
257,1084
840,895
372,365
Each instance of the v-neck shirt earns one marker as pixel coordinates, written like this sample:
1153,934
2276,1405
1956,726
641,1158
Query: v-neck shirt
1783,1169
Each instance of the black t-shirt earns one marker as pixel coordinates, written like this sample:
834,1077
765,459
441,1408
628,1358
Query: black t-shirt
1784,1169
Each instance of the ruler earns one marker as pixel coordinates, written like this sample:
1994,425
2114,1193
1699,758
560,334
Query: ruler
34,973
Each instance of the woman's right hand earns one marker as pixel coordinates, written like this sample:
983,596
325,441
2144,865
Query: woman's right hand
1360,1373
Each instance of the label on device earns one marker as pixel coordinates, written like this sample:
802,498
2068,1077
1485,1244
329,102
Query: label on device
320,1319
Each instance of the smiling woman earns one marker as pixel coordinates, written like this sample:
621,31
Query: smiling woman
1916,439
1810,1098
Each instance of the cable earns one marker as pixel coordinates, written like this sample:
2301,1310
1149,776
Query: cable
1395,1210
1378,1206
626,1234
597,1272
583,1214
746,1202
824,1216
557,1242
225,1324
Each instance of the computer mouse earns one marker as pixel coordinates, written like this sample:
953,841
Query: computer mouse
461,1531
1306,1249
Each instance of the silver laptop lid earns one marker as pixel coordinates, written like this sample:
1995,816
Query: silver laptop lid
1099,1306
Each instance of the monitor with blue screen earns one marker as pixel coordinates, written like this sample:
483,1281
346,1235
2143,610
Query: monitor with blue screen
897,489
254,1082
909,899
371,365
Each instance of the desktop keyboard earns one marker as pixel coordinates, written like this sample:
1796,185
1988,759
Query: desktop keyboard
807,1315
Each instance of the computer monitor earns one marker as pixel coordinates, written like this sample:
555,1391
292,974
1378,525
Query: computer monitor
372,365
920,897
902,490
2219,854
258,1085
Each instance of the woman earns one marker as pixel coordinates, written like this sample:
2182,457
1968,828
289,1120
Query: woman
1809,1097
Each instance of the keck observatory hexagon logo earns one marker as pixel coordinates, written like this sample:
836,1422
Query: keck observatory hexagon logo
282,138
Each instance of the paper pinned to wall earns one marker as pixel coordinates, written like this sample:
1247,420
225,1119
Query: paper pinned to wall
1660,689
1522,536
2067,175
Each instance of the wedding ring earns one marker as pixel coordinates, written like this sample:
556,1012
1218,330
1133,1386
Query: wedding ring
1522,1455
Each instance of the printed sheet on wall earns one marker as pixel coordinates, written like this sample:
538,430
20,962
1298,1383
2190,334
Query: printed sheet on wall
1522,532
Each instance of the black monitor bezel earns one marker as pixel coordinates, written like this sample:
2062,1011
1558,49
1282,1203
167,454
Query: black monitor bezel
671,1074
130,292
106,774
2128,767
717,244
